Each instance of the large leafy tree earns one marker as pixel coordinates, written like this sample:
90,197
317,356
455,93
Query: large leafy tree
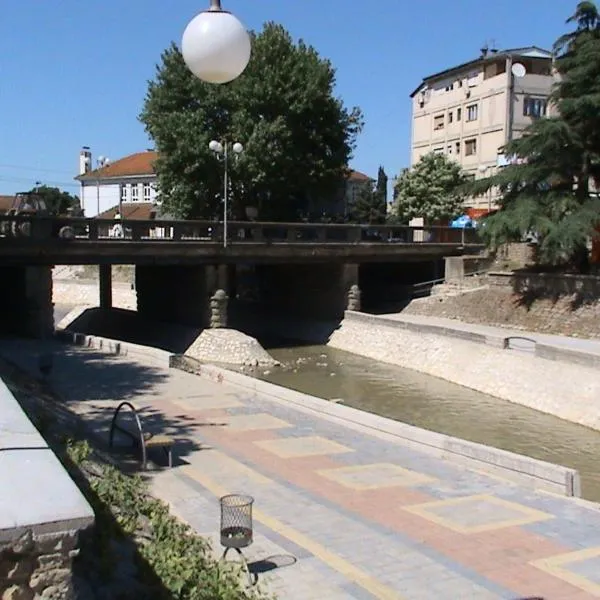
432,189
58,201
548,188
298,136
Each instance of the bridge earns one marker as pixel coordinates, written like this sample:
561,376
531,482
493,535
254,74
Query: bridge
187,271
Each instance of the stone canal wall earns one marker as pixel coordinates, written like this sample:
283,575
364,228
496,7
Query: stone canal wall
42,513
543,380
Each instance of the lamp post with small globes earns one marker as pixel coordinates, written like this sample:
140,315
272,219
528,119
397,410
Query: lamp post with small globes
222,150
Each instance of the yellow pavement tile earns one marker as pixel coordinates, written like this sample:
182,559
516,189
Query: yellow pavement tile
255,422
558,566
195,403
375,476
298,447
474,514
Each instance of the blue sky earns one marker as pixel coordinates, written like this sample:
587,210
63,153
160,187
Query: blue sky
74,73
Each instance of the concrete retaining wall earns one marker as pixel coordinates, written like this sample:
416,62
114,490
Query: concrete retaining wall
481,362
42,513
501,341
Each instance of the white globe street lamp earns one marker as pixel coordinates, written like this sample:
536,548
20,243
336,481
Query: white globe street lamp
222,149
216,45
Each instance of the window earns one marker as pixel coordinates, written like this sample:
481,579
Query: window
449,149
470,147
123,193
147,192
535,107
472,112
450,117
439,150
135,195
438,122
457,147
458,114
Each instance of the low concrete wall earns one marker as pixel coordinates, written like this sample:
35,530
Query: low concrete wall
481,362
457,268
513,467
42,513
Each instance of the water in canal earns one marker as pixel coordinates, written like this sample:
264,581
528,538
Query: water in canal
435,404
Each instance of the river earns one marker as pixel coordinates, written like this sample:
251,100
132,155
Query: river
438,405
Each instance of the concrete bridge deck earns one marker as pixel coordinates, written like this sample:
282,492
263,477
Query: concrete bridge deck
363,515
30,241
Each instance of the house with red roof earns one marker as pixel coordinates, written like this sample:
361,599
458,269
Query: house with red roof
129,184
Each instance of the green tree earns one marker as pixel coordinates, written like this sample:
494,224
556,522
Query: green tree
57,200
432,189
547,190
370,205
297,136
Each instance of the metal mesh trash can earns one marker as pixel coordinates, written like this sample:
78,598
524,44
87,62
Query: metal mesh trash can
236,521
236,526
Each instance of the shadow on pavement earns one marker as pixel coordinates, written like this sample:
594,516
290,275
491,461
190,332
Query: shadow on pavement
92,384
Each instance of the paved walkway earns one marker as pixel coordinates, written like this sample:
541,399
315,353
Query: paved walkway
339,514
581,345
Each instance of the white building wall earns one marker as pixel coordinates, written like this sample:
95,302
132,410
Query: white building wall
95,199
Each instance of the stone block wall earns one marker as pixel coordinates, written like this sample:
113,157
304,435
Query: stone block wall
37,565
516,255
42,512
549,285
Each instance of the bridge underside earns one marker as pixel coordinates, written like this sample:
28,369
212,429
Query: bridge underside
218,295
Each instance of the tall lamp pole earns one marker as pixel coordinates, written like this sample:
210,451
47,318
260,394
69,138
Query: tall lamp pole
222,149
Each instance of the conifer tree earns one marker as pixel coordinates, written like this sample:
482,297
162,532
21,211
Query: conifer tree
549,190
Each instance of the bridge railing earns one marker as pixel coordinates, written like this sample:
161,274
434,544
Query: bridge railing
238,232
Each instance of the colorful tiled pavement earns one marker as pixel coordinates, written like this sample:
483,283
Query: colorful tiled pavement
341,513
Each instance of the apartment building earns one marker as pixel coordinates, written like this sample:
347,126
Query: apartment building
469,112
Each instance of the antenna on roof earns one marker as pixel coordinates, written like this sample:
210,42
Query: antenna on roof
484,50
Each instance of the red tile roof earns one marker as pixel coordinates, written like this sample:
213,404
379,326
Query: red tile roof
141,163
140,211
358,176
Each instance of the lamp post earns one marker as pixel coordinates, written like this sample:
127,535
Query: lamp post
215,45
221,149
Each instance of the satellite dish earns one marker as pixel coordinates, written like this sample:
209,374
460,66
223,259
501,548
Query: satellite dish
518,70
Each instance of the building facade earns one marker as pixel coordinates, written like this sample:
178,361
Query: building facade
128,181
129,184
471,111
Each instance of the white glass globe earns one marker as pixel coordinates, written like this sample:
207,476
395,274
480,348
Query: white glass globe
215,146
216,46
238,148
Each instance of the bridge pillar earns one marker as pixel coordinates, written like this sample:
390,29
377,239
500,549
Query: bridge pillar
105,277
26,307
176,294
